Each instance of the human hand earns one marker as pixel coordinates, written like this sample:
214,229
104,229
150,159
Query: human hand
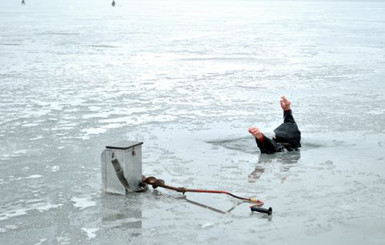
256,132
285,103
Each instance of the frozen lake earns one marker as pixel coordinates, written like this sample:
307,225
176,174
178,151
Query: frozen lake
188,78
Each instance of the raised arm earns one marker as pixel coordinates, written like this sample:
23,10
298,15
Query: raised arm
287,114
265,144
285,103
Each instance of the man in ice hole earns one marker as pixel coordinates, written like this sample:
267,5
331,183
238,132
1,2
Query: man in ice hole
287,136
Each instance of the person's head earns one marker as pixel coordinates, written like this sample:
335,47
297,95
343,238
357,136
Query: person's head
288,133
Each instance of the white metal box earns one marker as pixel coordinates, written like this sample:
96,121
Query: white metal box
128,156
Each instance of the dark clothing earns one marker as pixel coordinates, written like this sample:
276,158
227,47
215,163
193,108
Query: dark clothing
287,136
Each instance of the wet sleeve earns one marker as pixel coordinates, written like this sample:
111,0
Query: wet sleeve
268,145
288,116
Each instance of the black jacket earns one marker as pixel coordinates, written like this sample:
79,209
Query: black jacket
287,136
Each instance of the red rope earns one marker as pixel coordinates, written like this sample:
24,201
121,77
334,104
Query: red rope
160,183
258,202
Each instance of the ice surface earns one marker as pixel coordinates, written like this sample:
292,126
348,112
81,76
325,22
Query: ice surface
91,232
82,203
